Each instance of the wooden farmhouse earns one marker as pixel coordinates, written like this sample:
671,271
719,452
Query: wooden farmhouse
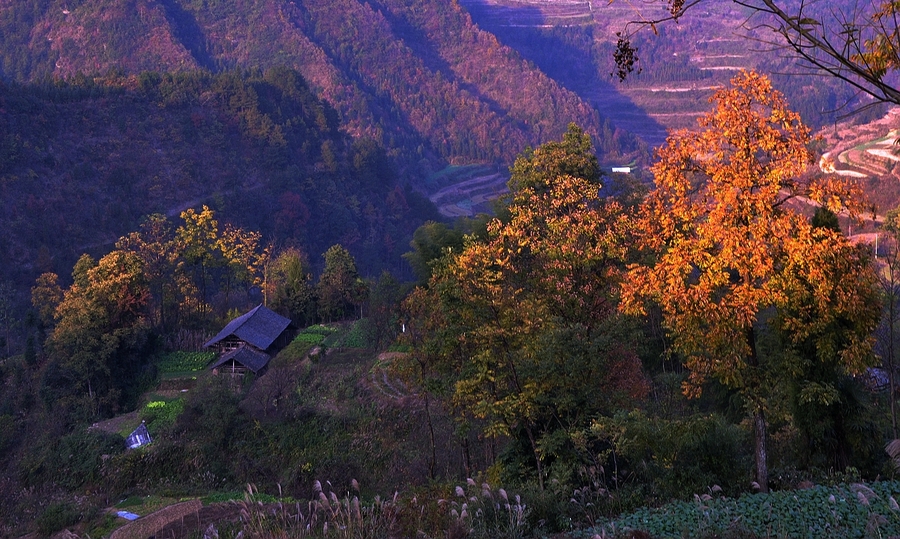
249,341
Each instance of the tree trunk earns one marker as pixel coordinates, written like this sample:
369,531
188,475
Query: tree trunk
467,459
892,304
759,423
537,457
759,434
433,463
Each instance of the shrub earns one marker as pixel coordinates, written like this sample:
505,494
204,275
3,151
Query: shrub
299,347
357,337
76,459
56,517
677,456
320,329
309,338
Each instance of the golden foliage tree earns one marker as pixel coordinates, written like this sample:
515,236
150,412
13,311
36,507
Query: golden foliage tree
101,326
530,333
725,249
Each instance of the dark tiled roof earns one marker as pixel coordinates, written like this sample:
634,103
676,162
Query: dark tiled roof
246,356
259,327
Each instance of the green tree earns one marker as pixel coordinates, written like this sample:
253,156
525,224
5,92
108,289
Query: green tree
537,169
531,334
725,249
432,240
338,289
155,245
429,243
290,285
383,315
888,336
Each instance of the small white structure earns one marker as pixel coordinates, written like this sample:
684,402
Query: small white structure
623,170
139,437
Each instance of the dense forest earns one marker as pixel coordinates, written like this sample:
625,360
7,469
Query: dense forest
83,161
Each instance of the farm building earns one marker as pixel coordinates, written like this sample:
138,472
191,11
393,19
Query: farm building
250,340
240,360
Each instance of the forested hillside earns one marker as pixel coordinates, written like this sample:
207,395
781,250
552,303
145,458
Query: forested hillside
418,77
82,161
561,369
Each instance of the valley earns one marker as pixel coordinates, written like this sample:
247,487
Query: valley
697,354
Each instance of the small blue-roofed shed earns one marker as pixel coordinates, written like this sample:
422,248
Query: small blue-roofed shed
139,437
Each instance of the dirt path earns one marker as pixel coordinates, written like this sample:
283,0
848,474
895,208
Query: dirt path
186,519
118,423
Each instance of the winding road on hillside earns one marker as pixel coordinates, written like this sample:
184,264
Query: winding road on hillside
467,198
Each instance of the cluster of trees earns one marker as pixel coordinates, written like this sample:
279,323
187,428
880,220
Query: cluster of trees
534,330
634,342
164,280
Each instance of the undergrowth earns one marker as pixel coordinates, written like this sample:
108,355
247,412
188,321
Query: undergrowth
474,511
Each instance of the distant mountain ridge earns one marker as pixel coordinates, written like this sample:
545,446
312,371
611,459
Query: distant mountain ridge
415,75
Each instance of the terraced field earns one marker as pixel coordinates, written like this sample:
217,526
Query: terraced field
467,198
642,105
534,13
864,151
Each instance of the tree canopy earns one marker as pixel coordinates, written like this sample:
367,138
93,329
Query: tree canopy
523,322
726,248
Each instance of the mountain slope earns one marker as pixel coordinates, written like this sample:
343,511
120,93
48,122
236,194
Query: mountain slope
417,76
81,163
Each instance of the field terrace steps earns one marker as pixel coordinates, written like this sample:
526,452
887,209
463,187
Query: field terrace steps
532,13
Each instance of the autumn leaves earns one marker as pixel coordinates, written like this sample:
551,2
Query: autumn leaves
534,337
727,250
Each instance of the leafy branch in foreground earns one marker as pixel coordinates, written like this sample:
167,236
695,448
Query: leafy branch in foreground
857,44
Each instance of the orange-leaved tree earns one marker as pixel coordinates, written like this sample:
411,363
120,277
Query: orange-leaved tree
725,249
